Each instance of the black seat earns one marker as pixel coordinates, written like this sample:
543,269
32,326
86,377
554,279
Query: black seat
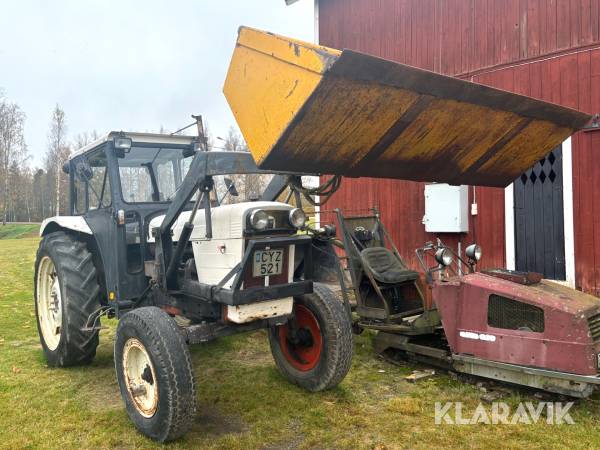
386,267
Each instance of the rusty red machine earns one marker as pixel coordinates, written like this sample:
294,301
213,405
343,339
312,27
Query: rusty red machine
500,324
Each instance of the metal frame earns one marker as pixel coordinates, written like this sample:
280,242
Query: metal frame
355,261
564,383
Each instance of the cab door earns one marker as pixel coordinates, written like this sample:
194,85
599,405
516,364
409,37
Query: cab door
91,197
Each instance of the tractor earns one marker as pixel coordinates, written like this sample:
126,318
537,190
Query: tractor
152,240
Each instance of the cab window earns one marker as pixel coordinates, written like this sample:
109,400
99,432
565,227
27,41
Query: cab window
152,174
91,183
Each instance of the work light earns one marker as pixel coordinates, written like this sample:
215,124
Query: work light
297,218
473,252
444,256
259,219
123,143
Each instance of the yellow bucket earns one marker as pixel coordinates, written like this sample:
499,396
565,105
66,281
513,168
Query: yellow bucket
308,108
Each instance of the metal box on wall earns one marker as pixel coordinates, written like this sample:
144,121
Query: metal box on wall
446,208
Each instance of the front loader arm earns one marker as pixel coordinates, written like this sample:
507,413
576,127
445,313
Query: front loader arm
276,186
194,179
198,178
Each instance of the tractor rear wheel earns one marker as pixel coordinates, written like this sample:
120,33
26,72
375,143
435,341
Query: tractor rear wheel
154,370
314,348
66,295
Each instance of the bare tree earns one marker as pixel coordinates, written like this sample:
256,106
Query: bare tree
58,151
249,186
234,142
13,151
85,138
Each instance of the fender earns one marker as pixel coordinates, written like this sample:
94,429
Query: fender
75,223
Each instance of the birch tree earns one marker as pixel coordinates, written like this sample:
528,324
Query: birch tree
58,152
13,151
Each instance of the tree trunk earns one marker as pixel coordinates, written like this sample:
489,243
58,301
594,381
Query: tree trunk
57,192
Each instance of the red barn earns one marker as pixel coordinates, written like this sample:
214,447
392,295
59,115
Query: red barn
548,220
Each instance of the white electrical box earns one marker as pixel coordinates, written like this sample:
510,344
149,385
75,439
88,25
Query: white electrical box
446,208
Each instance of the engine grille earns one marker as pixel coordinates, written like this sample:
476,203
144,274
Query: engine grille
594,324
511,314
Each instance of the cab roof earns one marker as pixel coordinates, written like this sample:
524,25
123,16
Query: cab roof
147,138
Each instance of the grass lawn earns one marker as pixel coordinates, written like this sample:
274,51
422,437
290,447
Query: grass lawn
17,231
242,400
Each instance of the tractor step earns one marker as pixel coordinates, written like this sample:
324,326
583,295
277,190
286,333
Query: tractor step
90,329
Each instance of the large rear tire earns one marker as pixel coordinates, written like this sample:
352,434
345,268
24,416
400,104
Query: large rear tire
314,349
66,294
154,370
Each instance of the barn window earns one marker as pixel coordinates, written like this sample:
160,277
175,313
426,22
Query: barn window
511,314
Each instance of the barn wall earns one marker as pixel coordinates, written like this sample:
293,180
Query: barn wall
402,206
571,80
525,46
459,36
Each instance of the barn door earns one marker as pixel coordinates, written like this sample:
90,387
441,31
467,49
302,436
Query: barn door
539,220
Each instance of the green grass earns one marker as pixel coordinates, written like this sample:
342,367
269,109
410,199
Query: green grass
11,231
242,400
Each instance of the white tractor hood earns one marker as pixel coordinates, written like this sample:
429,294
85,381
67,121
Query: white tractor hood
227,220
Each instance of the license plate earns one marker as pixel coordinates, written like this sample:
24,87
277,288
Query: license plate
267,262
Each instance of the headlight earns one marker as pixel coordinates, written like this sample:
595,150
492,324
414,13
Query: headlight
444,256
473,252
297,218
259,219
123,143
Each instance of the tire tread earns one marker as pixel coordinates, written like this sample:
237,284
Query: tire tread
79,282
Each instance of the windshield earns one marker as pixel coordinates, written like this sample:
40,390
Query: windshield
153,174
237,188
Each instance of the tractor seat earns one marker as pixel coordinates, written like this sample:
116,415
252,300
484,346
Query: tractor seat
386,268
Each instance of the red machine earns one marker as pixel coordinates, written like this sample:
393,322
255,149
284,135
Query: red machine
504,325
542,324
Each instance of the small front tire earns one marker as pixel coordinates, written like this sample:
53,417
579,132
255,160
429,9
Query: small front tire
314,348
154,370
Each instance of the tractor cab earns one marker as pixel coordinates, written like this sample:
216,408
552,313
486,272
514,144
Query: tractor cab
117,185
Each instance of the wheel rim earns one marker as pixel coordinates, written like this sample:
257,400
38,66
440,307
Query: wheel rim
49,303
140,377
300,339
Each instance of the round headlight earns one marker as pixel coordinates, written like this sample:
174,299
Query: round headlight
259,219
297,218
444,256
473,251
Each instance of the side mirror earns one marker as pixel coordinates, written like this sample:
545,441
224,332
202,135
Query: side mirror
84,171
231,187
66,167
187,152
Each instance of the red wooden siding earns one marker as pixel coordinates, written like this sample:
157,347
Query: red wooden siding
571,80
402,206
459,36
525,46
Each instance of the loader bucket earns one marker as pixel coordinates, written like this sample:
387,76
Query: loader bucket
309,108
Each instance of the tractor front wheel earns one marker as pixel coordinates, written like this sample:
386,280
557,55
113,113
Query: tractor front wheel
314,348
154,370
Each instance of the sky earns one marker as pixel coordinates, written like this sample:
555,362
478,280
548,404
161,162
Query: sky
131,65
